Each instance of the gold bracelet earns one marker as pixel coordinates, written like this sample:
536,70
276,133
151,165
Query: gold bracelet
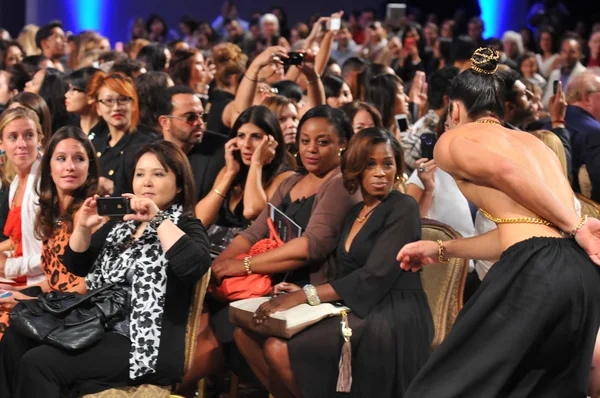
577,228
441,252
247,265
219,193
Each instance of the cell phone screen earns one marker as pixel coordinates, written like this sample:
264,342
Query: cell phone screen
335,24
555,86
402,123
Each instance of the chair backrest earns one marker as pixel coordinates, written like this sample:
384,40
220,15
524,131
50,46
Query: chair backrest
444,283
588,206
584,181
193,324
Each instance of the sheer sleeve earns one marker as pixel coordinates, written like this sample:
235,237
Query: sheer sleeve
365,287
259,229
327,219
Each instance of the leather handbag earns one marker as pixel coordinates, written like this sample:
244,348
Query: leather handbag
70,320
253,285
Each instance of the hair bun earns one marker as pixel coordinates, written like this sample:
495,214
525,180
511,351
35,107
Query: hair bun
485,61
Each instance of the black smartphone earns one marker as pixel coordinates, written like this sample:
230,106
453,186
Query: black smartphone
401,122
555,87
428,141
113,207
294,58
324,27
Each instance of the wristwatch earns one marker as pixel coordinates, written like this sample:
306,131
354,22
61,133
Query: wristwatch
158,219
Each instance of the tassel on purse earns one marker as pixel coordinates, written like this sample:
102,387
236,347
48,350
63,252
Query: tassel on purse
344,383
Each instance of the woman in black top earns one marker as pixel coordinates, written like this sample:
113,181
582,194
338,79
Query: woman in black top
390,318
158,255
79,102
254,159
117,141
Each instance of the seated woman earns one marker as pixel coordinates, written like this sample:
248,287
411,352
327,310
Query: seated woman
50,84
253,171
20,254
116,101
157,255
390,319
66,178
37,104
386,93
286,112
79,102
314,199
337,91
362,115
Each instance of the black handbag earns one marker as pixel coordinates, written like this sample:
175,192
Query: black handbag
69,320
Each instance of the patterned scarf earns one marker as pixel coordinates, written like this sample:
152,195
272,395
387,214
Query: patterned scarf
146,258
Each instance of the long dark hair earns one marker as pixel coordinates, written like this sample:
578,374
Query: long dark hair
49,209
181,65
266,120
481,90
381,93
52,90
172,158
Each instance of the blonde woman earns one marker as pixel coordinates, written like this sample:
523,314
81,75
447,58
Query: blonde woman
27,39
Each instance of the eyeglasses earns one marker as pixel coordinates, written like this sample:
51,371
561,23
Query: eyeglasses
110,102
191,118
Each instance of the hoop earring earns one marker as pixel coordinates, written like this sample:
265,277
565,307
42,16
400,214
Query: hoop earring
39,155
341,151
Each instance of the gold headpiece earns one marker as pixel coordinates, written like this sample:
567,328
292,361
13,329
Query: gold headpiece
483,55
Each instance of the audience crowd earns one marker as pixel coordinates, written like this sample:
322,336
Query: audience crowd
202,128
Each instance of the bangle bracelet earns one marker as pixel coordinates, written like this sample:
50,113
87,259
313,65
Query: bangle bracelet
441,252
252,80
577,228
219,193
247,265
314,81
311,295
559,121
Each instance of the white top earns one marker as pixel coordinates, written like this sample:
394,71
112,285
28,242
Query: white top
30,264
449,205
545,67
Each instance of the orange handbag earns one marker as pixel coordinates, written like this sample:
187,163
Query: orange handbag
253,285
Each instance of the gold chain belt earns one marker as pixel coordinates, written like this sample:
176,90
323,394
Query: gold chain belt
523,220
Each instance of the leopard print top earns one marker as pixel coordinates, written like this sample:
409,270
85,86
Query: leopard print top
56,273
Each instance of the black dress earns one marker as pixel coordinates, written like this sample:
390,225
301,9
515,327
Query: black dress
390,319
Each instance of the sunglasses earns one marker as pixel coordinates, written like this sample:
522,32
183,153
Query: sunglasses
191,118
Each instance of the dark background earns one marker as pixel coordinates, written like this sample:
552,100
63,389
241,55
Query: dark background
111,17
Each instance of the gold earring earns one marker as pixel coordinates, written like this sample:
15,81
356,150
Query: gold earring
340,151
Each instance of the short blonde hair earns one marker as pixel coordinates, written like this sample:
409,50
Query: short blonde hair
554,143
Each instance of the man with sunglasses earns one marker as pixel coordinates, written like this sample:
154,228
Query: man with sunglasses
183,122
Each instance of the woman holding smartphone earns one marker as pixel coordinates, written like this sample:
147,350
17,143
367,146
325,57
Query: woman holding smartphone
386,93
156,255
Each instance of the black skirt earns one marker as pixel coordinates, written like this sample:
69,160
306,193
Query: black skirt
529,330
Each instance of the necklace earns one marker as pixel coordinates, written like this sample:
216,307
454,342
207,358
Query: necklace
363,218
488,121
58,222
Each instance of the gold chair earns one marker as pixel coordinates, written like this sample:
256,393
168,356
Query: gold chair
151,391
588,206
444,283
